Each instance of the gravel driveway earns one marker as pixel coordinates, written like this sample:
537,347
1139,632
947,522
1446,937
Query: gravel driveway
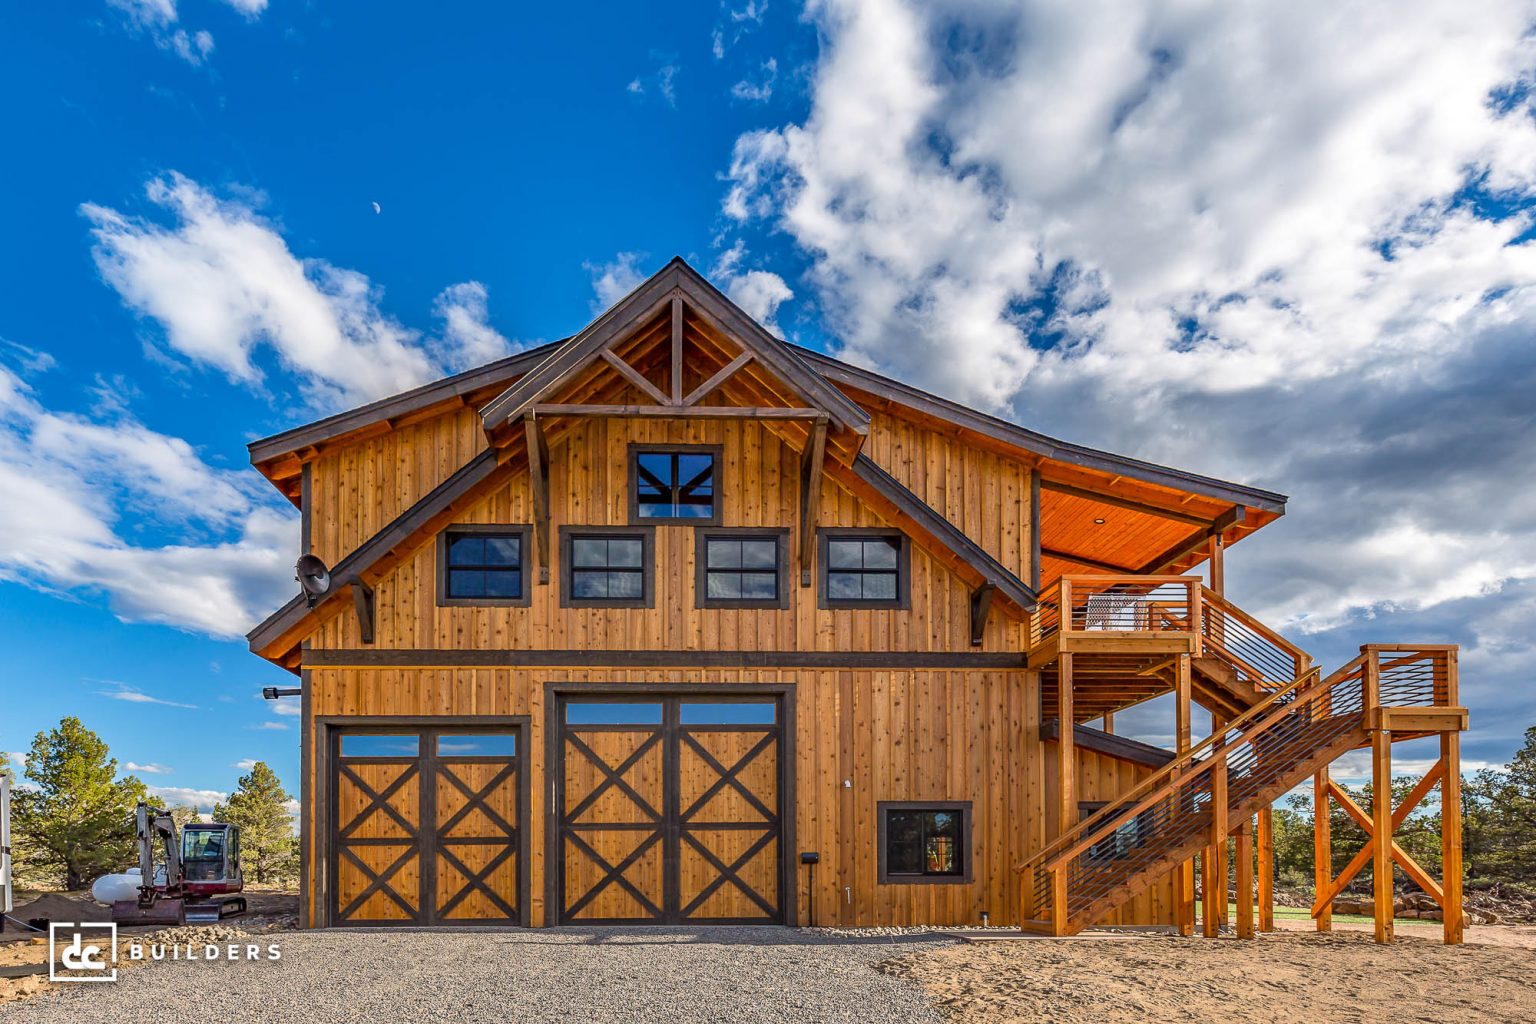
628,975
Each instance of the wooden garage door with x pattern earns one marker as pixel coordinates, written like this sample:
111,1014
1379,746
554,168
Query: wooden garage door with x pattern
670,810
427,827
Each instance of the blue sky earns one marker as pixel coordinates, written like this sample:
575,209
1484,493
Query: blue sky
1224,236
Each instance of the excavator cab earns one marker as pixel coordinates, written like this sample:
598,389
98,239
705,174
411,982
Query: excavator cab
182,884
210,854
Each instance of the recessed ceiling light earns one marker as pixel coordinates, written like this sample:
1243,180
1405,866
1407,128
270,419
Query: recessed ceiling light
1098,522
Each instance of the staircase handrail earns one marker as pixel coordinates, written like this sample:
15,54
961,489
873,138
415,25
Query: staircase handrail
1300,657
1073,841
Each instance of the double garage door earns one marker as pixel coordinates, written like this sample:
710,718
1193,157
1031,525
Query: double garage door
665,809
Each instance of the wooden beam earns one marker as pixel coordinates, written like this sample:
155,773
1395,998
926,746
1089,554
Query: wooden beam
1067,556
1381,837
981,608
680,412
1106,498
677,349
538,479
362,602
1216,850
1066,787
634,376
1184,880
1243,851
1322,847
722,375
1034,530
1450,836
812,461
1265,840
1194,541
1218,564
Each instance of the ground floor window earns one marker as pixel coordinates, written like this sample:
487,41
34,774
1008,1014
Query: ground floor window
925,841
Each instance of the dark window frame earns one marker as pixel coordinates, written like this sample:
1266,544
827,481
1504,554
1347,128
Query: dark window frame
647,536
903,599
520,530
636,449
967,845
704,535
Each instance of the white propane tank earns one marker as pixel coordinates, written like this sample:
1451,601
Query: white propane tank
110,888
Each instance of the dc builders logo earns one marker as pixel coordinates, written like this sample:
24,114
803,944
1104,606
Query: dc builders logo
88,951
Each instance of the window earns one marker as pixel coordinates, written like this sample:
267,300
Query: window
674,482
745,568
466,744
483,565
362,744
607,568
925,841
864,569
728,713
612,713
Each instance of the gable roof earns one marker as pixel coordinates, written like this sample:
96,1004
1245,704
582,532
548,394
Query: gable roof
677,280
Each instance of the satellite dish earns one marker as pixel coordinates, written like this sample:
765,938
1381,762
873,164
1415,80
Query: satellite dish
313,576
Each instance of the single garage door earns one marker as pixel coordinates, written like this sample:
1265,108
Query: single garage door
427,826
670,810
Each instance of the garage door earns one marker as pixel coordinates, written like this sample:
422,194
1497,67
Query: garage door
669,810
426,826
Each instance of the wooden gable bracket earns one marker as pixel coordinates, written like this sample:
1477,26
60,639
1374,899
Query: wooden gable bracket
812,462
981,607
362,601
538,478
1194,541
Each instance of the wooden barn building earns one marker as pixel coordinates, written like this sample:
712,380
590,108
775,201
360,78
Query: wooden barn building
673,622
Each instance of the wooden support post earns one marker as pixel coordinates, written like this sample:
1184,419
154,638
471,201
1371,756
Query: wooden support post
538,478
1216,885
677,350
1381,830
1243,851
1109,722
811,463
1266,844
1034,530
981,608
1184,880
1450,812
1223,872
1450,837
1066,784
1218,564
1322,846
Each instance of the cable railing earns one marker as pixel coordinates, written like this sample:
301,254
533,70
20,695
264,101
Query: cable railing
1188,803
1259,655
1118,604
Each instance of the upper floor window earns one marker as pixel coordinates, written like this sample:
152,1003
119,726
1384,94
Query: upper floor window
864,569
483,565
675,482
742,568
607,568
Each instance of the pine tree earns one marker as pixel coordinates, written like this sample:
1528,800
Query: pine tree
77,815
260,807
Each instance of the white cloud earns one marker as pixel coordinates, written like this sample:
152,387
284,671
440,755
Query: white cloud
271,726
616,279
245,764
202,548
250,8
147,769
662,81
160,21
761,90
759,292
17,759
181,796
136,696
1238,237
286,707
468,338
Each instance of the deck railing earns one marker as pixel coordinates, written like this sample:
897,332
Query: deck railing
1259,655
1118,604
1188,801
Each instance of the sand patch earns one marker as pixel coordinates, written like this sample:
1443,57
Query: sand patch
1284,978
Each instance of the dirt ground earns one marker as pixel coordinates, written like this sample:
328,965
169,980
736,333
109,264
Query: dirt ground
1285,978
24,954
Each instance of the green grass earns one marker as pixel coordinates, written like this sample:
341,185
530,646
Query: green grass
1303,914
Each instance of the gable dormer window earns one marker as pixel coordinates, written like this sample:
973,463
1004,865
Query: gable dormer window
676,483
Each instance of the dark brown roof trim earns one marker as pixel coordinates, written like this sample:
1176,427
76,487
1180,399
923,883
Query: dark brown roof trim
468,382
368,554
1108,744
989,568
1040,444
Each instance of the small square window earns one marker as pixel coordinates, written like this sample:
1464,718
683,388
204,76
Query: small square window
483,565
745,568
608,569
675,483
864,569
925,842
